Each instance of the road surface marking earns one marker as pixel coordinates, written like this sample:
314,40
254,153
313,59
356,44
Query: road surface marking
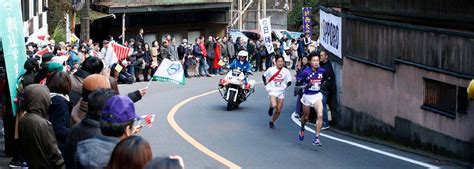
191,140
366,147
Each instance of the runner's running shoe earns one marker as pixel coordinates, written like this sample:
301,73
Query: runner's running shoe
317,142
271,125
297,116
270,112
14,164
301,135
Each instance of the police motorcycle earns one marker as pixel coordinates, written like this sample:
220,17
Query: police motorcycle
234,89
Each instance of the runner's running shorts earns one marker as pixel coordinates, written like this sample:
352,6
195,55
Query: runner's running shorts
279,94
310,100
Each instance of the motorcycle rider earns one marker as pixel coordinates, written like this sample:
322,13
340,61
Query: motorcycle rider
241,63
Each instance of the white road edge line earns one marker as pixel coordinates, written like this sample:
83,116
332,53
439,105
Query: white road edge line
366,147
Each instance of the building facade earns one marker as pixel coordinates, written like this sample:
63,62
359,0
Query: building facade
181,19
277,9
403,72
35,17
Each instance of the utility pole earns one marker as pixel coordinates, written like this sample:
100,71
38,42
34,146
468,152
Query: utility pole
85,21
264,8
240,14
68,30
123,28
73,20
259,4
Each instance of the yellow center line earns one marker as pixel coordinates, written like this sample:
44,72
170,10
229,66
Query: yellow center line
193,141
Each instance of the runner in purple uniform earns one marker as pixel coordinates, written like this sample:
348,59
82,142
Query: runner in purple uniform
312,78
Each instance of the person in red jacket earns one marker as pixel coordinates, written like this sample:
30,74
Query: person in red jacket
203,47
217,57
203,65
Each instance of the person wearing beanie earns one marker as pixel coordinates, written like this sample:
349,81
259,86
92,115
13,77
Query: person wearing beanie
60,59
52,67
470,91
55,67
88,127
117,122
91,84
31,66
41,75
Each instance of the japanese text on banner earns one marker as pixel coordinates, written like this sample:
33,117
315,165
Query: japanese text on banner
266,29
11,31
307,23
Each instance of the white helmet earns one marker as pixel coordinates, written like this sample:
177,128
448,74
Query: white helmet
243,53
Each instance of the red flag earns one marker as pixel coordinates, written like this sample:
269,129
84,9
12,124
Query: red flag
149,119
43,51
42,37
120,51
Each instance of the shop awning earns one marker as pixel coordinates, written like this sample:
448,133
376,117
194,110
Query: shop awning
140,6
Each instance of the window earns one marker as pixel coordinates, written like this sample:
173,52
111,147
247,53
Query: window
40,21
445,99
25,8
463,101
440,98
45,5
35,7
31,27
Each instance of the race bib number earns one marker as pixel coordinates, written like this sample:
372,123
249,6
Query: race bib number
278,84
314,87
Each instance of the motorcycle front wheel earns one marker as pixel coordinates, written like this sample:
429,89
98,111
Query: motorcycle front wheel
230,101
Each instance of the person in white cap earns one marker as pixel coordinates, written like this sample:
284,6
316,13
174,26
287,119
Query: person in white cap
242,62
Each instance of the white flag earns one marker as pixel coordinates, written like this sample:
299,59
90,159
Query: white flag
266,29
170,71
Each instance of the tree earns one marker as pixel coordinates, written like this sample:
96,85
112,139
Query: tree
56,21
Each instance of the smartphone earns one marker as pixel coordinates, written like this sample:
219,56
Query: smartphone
136,124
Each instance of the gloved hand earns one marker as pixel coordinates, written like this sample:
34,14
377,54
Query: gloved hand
307,86
298,90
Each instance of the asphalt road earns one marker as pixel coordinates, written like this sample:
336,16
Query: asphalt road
242,136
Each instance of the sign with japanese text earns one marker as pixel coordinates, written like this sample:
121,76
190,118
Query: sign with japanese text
330,33
307,23
11,31
266,29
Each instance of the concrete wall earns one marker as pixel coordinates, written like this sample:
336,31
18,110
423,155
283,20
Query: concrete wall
279,16
279,19
388,103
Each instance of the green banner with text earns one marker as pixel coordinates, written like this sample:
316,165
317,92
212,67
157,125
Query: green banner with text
11,32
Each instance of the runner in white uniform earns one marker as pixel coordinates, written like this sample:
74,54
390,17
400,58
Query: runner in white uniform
276,80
